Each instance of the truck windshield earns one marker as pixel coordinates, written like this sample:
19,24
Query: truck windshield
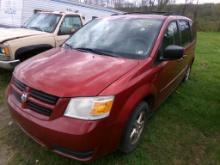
117,36
46,22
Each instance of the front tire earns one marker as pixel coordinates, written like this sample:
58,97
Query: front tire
135,127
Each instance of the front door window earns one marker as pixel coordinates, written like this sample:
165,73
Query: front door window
69,25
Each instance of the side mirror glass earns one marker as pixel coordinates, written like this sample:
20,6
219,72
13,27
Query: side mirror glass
173,52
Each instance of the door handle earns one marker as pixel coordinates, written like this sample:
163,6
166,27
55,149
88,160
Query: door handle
180,59
184,56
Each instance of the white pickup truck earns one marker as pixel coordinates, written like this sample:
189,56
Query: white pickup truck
43,31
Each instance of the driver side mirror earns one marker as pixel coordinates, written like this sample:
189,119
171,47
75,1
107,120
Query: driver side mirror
172,52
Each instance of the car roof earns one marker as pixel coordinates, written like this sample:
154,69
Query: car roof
60,12
159,15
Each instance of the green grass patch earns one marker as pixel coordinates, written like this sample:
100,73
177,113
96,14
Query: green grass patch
185,129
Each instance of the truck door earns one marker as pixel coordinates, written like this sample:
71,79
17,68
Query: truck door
69,25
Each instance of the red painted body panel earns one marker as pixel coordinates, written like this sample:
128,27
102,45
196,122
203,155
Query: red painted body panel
69,73
75,74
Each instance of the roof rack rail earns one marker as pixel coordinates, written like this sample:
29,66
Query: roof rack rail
166,13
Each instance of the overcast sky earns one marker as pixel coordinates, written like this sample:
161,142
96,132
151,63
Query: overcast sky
183,1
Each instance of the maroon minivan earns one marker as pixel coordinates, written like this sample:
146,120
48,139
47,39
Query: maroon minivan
94,94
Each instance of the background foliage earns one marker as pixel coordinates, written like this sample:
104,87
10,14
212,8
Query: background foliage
207,16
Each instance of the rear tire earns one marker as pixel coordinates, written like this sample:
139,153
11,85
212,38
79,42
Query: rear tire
187,74
134,129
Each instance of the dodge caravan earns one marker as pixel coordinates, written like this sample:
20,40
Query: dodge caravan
95,94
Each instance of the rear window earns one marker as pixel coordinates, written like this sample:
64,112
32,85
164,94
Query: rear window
185,32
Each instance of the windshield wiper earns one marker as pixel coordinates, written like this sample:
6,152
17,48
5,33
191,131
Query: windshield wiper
36,28
68,45
96,51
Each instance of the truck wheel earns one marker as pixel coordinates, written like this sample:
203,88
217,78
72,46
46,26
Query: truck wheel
135,128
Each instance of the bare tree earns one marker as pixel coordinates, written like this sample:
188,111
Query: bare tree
118,3
151,4
195,14
162,4
186,5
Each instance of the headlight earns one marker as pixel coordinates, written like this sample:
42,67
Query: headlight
4,51
89,108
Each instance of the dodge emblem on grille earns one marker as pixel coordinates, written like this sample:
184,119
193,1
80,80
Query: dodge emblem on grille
24,97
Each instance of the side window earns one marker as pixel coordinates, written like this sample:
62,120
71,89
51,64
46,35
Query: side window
171,36
185,32
69,25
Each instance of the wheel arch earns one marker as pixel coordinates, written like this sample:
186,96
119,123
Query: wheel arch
32,50
150,99
145,93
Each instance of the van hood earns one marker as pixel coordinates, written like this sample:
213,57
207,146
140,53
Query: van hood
70,73
14,33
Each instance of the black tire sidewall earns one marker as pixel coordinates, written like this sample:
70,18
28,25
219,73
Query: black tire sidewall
126,146
185,77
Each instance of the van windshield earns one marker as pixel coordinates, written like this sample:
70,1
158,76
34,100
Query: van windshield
46,22
123,37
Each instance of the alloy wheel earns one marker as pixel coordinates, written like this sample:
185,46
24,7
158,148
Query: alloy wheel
138,128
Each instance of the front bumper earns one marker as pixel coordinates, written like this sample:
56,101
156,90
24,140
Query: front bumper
9,64
73,138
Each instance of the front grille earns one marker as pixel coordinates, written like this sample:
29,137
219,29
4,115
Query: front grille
19,85
38,108
37,95
44,97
